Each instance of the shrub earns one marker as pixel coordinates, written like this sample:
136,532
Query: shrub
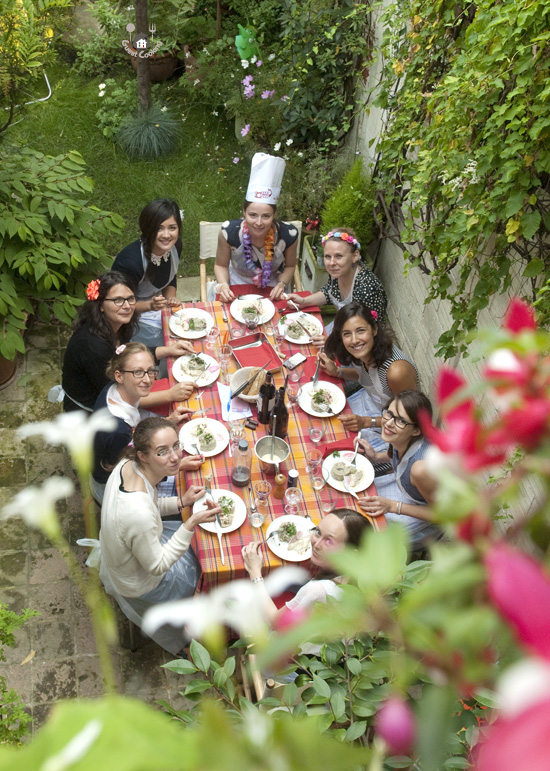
351,205
117,103
151,135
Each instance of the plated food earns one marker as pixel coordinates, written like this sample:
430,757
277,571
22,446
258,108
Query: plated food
322,400
289,537
191,323
233,511
338,470
295,333
197,367
252,305
209,435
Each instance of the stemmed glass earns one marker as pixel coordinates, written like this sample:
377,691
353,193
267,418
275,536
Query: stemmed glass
328,496
262,490
212,339
251,320
316,431
278,335
225,357
293,392
236,433
293,497
314,458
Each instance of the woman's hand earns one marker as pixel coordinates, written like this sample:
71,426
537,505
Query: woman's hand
191,462
225,294
179,348
180,392
318,341
375,505
158,302
327,364
277,291
367,449
352,422
253,559
296,298
178,415
204,514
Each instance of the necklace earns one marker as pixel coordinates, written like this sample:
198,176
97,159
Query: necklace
156,259
262,275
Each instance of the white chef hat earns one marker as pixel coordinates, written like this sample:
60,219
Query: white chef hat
266,176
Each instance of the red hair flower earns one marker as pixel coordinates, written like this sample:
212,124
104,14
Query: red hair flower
92,290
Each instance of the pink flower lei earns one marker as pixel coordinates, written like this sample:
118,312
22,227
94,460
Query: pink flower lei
262,276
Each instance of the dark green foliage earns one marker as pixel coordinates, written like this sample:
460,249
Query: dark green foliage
351,205
151,135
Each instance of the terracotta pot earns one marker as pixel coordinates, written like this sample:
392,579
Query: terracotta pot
8,372
162,67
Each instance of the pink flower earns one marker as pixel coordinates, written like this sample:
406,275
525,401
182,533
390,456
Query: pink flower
249,91
259,63
519,316
236,159
395,725
288,618
520,591
245,130
247,80
267,94
525,424
522,743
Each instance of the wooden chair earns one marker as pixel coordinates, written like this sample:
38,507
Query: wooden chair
208,242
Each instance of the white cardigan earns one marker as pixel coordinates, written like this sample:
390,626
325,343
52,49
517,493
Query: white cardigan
132,555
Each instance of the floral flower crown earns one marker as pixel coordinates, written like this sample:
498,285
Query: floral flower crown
92,290
344,236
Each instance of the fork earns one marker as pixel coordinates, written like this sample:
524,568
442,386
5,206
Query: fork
353,461
208,491
350,490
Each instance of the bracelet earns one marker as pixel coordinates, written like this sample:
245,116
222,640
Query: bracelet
373,422
281,282
257,580
339,372
399,505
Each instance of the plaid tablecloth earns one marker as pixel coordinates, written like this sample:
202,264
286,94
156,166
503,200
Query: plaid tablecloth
205,543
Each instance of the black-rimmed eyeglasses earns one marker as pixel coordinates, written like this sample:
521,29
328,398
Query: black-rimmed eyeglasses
397,419
119,301
140,373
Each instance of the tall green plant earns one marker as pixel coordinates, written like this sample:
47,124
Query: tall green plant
466,156
351,205
48,239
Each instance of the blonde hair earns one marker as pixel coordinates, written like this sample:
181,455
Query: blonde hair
118,362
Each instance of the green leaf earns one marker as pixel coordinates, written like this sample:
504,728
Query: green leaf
290,694
321,687
434,725
530,223
338,705
534,268
200,655
356,730
197,686
229,665
180,666
220,677
398,761
354,666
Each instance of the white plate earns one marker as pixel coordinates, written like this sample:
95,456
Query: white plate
304,339
363,464
188,436
211,373
280,548
186,313
338,398
268,309
238,517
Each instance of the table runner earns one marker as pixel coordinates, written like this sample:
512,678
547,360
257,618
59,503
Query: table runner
205,543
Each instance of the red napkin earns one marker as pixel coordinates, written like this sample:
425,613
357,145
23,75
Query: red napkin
309,370
161,409
255,357
341,446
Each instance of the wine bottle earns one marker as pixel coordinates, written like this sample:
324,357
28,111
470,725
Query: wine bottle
279,414
266,399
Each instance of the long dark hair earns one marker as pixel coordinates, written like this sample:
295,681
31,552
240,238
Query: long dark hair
383,341
356,525
91,316
143,436
414,403
151,218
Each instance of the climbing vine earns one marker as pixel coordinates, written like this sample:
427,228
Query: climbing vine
464,169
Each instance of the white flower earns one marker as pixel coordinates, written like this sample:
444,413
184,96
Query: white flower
522,685
253,60
75,430
299,155
196,81
163,109
237,604
289,142
277,147
102,93
102,86
245,63
75,750
270,57
36,505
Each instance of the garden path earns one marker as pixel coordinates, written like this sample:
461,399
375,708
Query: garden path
32,574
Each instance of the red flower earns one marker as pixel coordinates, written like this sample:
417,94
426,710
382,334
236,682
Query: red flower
519,744
519,316
475,526
525,425
92,290
520,590
396,726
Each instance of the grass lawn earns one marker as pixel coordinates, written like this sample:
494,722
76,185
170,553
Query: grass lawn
201,177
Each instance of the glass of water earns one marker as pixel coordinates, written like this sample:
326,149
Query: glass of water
293,498
213,339
225,357
293,392
316,431
329,498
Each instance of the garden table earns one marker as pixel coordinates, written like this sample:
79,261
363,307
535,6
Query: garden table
205,543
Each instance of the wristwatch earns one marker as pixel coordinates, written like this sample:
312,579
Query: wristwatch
373,422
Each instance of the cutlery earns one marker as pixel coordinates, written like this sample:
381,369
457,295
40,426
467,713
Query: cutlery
197,412
249,345
291,302
316,375
224,314
240,389
196,448
307,334
208,491
353,463
350,490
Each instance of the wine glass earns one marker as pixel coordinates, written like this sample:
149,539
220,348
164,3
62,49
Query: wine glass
293,497
317,478
314,458
251,320
293,392
236,433
225,357
278,335
316,431
212,338
328,496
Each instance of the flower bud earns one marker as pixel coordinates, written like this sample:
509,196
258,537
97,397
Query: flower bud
396,726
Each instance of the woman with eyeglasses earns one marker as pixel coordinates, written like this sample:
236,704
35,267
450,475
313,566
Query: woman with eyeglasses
145,561
132,373
342,527
105,321
405,498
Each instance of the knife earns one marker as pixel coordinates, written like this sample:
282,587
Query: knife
208,490
316,375
249,345
307,334
240,389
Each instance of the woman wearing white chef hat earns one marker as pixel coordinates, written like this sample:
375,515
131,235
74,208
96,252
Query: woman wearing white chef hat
257,249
